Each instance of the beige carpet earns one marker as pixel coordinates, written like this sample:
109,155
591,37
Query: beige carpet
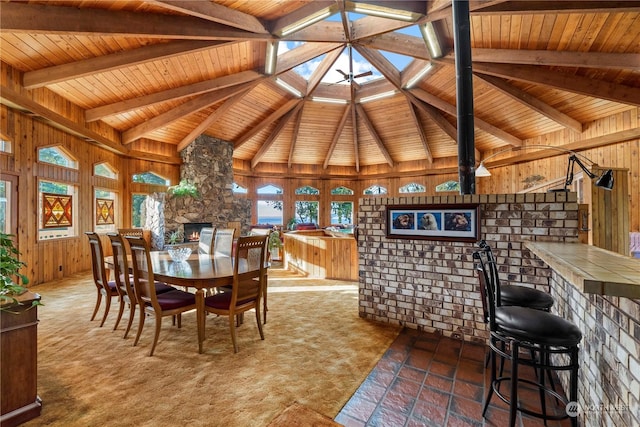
316,352
300,416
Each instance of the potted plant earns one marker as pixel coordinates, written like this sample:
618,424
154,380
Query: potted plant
291,224
274,243
12,282
183,189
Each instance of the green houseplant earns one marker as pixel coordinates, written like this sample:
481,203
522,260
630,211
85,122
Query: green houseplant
274,244
183,189
12,282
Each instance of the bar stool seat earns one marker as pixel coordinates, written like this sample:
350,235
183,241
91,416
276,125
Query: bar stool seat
525,297
535,326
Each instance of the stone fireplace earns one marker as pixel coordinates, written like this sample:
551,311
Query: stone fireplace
192,230
208,164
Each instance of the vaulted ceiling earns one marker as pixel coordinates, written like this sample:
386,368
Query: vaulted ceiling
261,74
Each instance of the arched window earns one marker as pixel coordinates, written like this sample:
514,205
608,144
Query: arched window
375,189
106,170
239,189
413,187
307,189
270,206
342,190
56,155
269,189
448,186
150,178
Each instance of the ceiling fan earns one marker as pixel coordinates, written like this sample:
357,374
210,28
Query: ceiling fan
349,77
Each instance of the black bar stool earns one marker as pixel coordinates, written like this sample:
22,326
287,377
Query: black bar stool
550,341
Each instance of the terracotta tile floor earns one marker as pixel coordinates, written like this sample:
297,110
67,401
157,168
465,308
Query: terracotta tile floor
429,380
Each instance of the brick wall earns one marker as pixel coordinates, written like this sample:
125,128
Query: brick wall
431,285
609,378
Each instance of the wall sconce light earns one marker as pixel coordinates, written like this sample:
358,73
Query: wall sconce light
605,180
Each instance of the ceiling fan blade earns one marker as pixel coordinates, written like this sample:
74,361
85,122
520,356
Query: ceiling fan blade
366,73
346,76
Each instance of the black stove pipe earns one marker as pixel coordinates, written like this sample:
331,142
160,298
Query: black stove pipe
464,96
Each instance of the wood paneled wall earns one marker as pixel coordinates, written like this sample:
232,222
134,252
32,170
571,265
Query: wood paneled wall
59,258
623,155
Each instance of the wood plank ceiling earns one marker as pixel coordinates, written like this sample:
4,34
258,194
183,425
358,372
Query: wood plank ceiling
163,72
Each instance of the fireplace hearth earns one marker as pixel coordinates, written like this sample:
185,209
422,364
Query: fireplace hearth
192,230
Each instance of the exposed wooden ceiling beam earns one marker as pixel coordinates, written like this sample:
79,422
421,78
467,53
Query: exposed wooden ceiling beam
399,43
321,70
586,144
325,31
199,88
624,61
346,25
354,128
301,54
193,105
212,118
336,135
568,82
421,133
266,145
382,64
294,137
436,116
127,58
21,102
266,122
479,123
37,18
370,26
531,102
498,7
214,12
372,130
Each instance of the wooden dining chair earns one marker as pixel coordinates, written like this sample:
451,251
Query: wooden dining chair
223,242
246,290
205,244
104,287
172,303
124,280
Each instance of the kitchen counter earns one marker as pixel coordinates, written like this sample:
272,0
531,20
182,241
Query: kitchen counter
590,268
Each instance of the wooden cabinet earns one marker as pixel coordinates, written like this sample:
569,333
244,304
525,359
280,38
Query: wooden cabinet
317,255
19,400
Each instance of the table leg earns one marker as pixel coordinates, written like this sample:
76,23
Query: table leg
200,317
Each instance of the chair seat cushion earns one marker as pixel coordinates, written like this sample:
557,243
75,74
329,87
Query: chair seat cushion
113,287
525,297
222,301
163,287
175,299
535,326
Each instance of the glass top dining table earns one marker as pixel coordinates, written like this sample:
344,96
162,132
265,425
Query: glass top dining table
199,271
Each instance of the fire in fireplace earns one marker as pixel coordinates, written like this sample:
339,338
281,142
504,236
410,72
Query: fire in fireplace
192,230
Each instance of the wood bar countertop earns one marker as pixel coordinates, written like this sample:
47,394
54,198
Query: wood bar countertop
590,268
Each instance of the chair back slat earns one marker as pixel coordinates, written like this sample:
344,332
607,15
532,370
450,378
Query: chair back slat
223,242
97,260
489,283
248,267
205,244
143,278
121,266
